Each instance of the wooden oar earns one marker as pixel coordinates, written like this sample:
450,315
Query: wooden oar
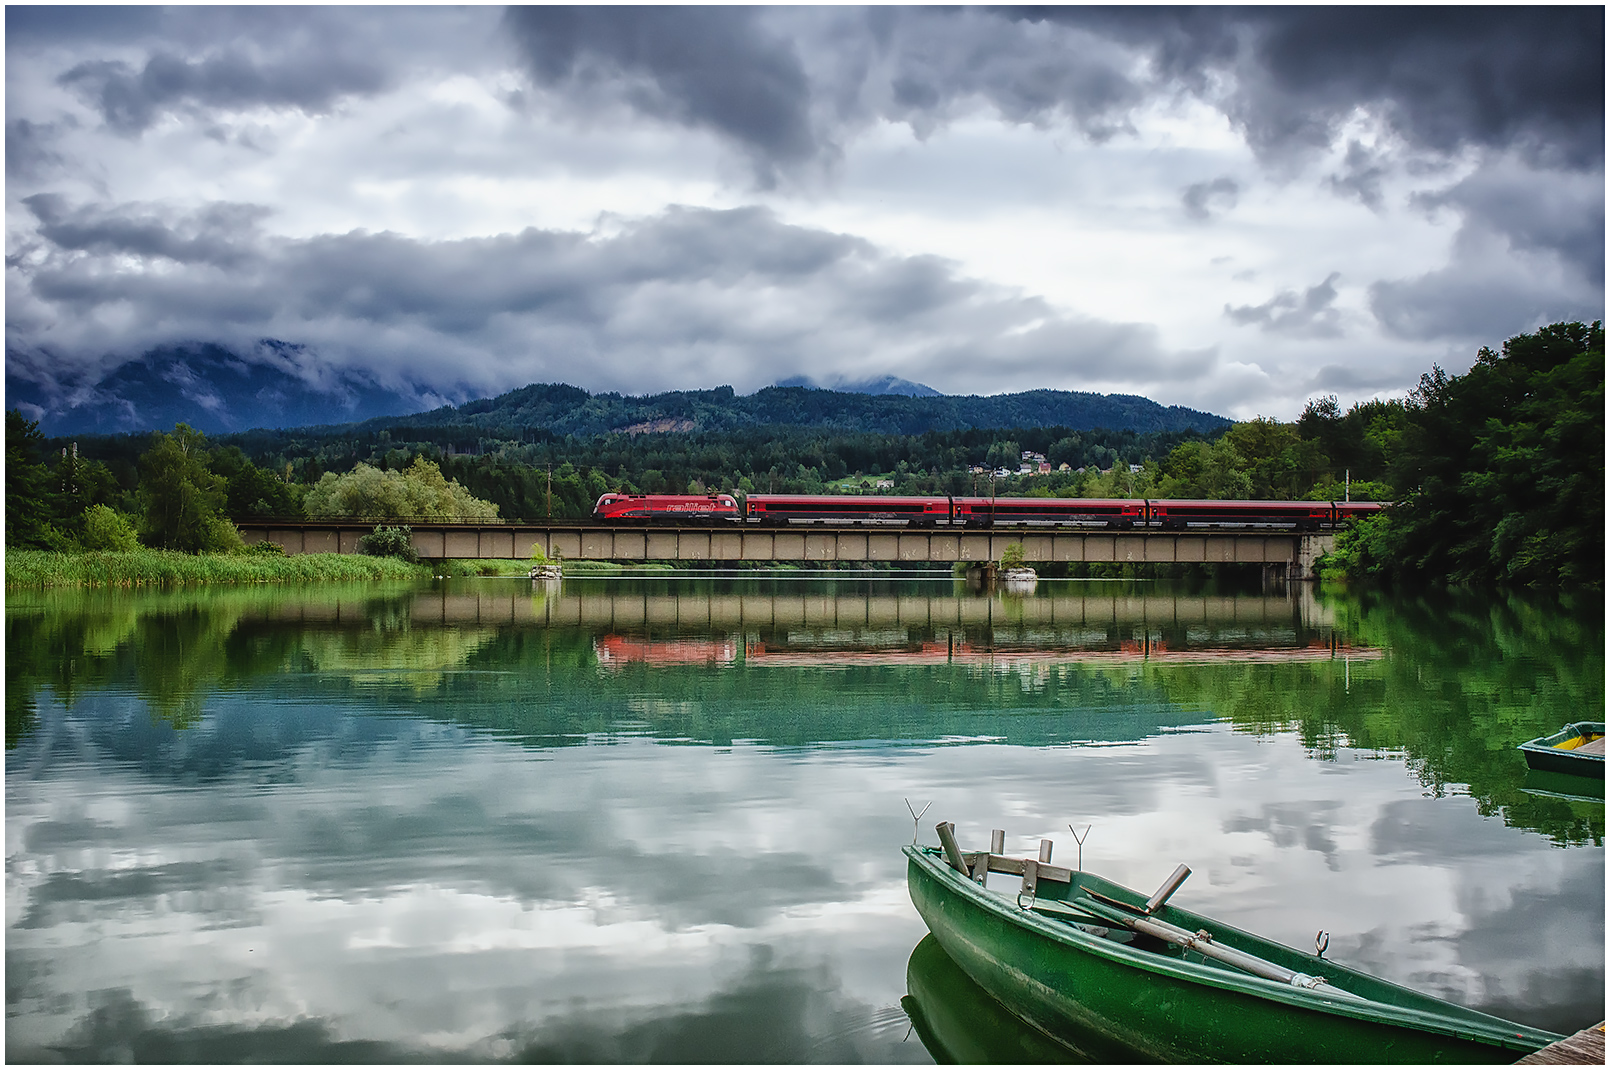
1203,944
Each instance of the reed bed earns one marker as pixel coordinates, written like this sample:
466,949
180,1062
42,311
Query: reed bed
142,568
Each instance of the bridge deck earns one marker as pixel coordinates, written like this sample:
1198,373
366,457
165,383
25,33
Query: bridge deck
814,544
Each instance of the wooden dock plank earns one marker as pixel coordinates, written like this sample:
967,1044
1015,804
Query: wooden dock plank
1585,1048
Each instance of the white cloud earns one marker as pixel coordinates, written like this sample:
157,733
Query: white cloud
1129,171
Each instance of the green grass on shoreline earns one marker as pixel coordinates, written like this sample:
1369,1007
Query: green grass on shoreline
141,568
157,568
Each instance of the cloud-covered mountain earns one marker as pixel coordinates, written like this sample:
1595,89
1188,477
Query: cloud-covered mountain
208,387
219,391
883,384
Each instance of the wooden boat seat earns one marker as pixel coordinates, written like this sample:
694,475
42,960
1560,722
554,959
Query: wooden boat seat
1596,747
1014,866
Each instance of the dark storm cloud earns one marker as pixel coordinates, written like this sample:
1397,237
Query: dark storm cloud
1475,302
1360,177
716,296
1567,219
130,100
702,67
1070,350
270,37
942,60
35,24
1201,198
218,234
1310,314
30,149
1441,78
1445,77
1530,250
1339,379
787,86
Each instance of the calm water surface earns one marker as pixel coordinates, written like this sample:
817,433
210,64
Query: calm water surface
660,819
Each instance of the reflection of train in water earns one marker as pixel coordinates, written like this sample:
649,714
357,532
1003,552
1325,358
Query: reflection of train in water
1008,655
616,651
934,512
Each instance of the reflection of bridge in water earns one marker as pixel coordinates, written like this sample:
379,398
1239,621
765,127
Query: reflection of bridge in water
669,622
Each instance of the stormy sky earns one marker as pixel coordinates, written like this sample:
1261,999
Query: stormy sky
1234,210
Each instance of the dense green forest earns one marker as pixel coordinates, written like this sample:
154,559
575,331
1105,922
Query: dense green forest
567,410
1497,474
1501,470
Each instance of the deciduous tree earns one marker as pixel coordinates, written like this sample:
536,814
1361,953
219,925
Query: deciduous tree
182,499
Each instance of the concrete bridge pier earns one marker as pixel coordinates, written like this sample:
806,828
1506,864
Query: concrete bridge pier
1306,552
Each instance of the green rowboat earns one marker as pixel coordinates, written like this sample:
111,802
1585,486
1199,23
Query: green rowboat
1577,749
1077,957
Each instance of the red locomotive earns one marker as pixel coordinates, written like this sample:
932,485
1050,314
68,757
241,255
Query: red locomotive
934,512
667,508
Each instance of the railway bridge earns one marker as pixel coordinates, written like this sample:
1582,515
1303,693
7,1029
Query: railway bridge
1293,552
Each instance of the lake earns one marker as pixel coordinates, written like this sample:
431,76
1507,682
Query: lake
659,818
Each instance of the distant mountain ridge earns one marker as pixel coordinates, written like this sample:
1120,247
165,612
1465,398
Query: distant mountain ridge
218,391
569,410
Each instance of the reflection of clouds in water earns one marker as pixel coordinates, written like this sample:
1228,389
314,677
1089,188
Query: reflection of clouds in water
1293,824
1549,919
373,896
1407,832
767,1014
439,889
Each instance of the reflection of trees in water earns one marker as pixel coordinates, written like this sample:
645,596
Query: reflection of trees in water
178,657
416,658
172,646
71,653
1466,676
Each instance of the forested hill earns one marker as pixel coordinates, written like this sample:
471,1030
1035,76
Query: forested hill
219,391
568,410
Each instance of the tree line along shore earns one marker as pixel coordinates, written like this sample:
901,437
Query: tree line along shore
1495,476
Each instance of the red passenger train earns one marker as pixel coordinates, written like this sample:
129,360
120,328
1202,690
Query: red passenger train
935,512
